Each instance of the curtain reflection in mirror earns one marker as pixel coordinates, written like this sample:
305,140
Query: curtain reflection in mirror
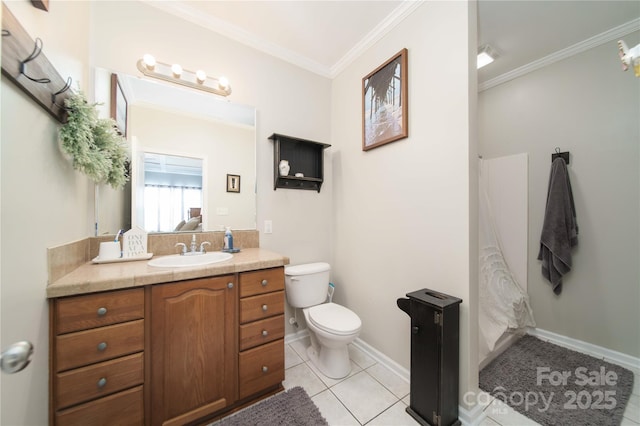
167,208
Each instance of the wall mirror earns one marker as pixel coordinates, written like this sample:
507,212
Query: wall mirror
174,128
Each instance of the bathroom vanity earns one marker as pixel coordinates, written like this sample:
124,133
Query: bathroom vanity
131,344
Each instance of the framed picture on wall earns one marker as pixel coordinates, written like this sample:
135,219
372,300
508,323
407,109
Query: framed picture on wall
384,103
118,105
233,183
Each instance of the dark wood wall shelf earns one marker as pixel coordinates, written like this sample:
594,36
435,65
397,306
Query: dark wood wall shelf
304,157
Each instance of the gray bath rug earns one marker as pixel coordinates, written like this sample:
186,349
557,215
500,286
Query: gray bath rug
290,408
557,386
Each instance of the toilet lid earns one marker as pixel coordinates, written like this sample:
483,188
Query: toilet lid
334,319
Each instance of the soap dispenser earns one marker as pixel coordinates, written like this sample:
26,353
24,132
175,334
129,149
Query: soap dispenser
228,240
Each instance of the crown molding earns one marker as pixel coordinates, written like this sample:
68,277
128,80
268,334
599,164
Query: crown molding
233,32
247,38
597,40
405,9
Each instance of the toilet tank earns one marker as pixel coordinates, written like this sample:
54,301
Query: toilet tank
307,284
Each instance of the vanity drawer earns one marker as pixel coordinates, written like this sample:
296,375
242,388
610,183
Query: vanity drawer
99,309
260,307
100,344
262,281
260,332
98,380
261,368
125,408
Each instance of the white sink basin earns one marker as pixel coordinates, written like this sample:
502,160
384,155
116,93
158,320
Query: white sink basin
176,261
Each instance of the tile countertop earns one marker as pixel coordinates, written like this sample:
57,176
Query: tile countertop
91,277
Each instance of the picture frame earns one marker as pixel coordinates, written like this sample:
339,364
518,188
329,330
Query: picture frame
233,183
119,106
385,110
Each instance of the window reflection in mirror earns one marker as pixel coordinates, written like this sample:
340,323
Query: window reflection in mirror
172,195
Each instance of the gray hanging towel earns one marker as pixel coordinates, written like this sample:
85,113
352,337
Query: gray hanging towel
560,228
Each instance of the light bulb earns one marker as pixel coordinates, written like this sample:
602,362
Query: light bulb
223,82
201,76
149,61
176,69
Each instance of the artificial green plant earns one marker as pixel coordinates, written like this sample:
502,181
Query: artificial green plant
93,143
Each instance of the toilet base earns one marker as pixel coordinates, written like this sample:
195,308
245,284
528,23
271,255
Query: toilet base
332,362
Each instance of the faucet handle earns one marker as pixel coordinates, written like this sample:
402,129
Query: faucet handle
202,244
184,247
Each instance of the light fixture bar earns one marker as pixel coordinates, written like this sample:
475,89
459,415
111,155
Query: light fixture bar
176,74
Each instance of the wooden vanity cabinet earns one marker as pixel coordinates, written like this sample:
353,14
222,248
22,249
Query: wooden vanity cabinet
193,349
97,359
167,354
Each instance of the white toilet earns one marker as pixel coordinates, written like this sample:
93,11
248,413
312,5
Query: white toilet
331,326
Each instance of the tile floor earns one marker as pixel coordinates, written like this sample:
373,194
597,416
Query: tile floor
374,395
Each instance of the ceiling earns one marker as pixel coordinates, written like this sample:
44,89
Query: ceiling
323,36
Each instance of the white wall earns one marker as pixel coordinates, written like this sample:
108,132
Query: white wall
44,203
402,212
586,105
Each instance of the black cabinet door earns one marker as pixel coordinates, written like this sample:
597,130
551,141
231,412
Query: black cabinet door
425,360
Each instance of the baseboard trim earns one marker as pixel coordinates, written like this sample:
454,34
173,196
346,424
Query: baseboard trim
596,351
472,417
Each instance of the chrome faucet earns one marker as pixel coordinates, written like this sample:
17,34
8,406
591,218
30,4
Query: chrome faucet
184,248
193,247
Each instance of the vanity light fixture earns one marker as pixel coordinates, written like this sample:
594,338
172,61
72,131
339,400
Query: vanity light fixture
486,55
178,75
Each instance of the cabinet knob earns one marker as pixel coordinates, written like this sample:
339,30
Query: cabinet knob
264,308
102,382
102,346
265,368
102,312
264,283
265,333
230,285
414,330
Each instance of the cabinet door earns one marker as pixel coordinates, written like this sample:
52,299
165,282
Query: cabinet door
193,349
425,361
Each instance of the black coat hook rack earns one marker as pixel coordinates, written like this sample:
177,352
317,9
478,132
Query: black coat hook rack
28,68
563,155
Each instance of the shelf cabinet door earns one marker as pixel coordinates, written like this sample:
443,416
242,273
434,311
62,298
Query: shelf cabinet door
193,349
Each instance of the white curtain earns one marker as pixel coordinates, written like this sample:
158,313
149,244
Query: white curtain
504,305
166,206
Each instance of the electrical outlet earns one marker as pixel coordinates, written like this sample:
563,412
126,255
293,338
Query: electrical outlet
268,227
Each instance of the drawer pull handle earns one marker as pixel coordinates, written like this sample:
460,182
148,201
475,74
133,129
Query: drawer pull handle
264,308
102,312
265,368
102,346
102,382
230,285
265,333
264,283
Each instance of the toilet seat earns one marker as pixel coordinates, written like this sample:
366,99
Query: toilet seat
334,319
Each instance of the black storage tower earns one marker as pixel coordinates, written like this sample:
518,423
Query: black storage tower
435,332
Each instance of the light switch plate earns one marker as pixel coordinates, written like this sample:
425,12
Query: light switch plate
268,227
